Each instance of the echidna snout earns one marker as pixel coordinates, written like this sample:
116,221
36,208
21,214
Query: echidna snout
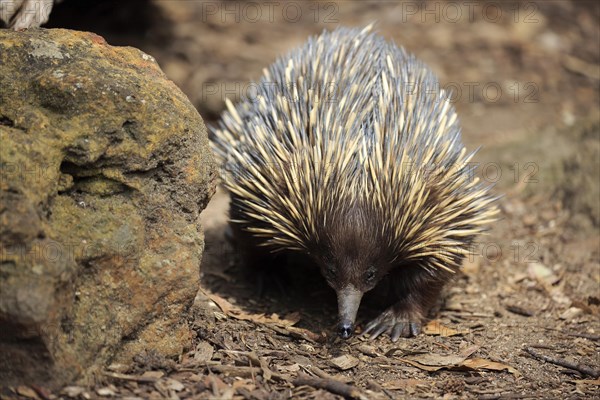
348,302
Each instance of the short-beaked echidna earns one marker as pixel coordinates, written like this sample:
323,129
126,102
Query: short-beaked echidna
349,152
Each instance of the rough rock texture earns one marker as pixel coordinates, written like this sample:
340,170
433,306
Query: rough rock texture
105,167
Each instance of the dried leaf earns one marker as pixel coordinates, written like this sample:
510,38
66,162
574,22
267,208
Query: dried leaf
286,323
421,366
434,362
434,328
438,360
28,392
292,318
223,304
408,385
344,362
480,363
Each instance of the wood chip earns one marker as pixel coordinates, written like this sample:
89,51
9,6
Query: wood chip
344,362
203,352
153,374
541,273
105,392
174,384
367,350
72,391
519,310
571,314
116,367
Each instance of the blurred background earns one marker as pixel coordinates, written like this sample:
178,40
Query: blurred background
522,73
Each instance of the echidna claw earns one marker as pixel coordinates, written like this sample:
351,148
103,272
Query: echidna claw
396,326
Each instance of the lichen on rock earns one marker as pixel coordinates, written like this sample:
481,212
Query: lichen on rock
104,169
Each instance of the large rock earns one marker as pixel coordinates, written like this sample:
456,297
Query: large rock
105,167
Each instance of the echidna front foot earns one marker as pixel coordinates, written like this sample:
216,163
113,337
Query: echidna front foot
395,323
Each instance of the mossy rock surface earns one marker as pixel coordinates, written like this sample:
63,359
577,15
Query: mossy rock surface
104,169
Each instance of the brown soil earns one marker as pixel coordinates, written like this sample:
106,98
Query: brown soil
533,282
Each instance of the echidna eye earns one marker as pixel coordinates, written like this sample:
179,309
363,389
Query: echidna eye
370,275
330,270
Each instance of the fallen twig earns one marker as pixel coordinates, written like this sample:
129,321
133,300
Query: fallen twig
519,310
242,372
331,385
584,369
297,333
506,396
237,371
319,372
588,336
133,378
